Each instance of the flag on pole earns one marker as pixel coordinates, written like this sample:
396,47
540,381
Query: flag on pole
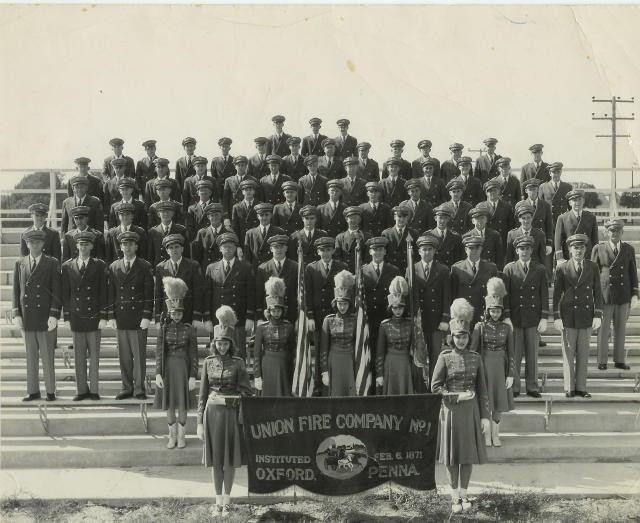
363,350
302,385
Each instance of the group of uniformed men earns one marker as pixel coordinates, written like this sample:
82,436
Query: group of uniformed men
226,230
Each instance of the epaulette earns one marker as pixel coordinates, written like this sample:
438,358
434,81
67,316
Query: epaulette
238,358
385,321
446,351
211,356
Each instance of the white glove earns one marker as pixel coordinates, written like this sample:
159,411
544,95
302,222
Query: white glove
508,383
595,324
325,379
257,383
311,325
112,324
227,223
102,324
486,426
542,325
159,381
52,323
467,395
208,325
248,326
197,324
634,302
548,250
192,383
508,322
443,326
379,381
560,261
558,324
144,324
17,321
200,431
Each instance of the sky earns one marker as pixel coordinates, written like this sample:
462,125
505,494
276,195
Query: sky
75,76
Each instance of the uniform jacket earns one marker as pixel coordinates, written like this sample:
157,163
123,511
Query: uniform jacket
346,248
279,145
256,247
423,218
405,170
335,171
272,192
232,194
174,336
489,335
556,199
237,290
156,252
153,218
309,250
542,219
151,196
376,290
370,170
112,250
568,225
130,297
357,194
258,167
184,169
278,336
347,147
338,333
449,170
432,295
332,222
70,249
451,249
288,220
376,221
436,193
511,192
52,245
472,192
577,299
395,336
190,273
618,274
527,300
539,253
243,218
486,169
204,248
529,171
190,193
112,195
84,295
95,187
293,167
493,248
289,273
96,213
140,216
318,289
418,172
397,246
196,219
312,145
109,172
461,221
222,168
472,288
314,192
502,220
145,171
36,295
393,194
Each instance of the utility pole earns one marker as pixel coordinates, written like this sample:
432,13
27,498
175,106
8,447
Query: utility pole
613,118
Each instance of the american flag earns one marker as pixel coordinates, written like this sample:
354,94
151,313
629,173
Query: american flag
302,385
363,351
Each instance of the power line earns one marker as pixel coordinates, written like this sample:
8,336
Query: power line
613,118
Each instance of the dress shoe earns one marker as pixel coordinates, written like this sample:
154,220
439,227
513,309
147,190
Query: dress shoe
534,394
602,366
516,394
622,366
141,396
32,397
583,393
94,396
81,397
570,394
124,395
51,396
542,343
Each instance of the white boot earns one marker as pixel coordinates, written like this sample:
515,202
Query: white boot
181,436
171,444
495,434
487,439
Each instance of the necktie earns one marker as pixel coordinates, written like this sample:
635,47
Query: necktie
526,268
426,272
326,269
455,207
174,268
378,269
309,236
375,207
264,232
555,186
615,251
83,267
32,264
278,266
166,231
329,163
290,208
473,269
127,266
227,268
393,184
579,270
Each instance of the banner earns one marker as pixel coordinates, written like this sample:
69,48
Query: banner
338,446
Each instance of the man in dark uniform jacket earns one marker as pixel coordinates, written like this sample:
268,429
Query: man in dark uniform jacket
501,215
196,218
449,168
80,217
404,170
376,277
542,219
80,197
189,190
510,191
397,237
271,184
417,166
204,249
108,165
113,249
243,213
616,261
536,168
577,311
84,301
293,163
527,305
313,185
524,212
146,167
282,267
286,215
130,309
256,246
376,215
184,164
163,189
492,245
258,162
486,167
431,294
369,169
331,213
423,217
330,165
156,251
232,193
151,187
306,236
554,192
576,221
312,144
126,188
52,247
354,190
460,221
231,282
223,166
450,248
177,266
393,186
36,309
434,189
347,240
112,186
346,145
94,183
472,191
277,142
